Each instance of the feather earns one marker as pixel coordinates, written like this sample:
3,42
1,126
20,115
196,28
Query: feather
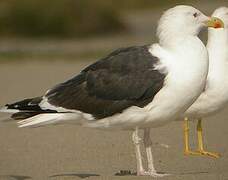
51,118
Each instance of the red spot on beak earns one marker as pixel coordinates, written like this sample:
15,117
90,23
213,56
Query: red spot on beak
218,25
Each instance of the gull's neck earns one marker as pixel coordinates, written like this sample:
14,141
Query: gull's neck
217,38
174,40
217,46
170,35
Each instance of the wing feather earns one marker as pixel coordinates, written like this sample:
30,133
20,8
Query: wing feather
127,77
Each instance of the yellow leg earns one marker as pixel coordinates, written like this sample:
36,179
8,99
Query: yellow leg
186,139
200,151
200,142
186,135
200,135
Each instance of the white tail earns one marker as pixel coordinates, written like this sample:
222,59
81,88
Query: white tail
49,118
10,111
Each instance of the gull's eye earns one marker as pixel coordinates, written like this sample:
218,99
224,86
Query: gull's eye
196,14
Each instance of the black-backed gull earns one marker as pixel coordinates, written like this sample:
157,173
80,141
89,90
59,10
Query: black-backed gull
132,88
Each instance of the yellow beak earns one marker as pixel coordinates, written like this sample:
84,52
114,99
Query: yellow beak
214,22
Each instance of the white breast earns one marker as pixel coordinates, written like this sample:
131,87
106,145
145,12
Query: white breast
215,96
188,67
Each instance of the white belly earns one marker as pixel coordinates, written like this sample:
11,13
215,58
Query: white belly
184,84
210,102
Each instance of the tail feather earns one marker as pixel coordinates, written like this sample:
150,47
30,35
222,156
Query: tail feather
25,109
50,118
40,120
30,114
30,104
6,110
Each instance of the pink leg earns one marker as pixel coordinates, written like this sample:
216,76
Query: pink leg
147,144
136,140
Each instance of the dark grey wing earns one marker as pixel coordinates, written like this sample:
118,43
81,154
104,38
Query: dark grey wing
125,78
27,108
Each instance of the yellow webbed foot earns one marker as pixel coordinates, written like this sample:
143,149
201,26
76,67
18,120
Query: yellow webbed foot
202,153
209,154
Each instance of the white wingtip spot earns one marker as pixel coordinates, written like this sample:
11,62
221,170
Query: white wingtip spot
6,110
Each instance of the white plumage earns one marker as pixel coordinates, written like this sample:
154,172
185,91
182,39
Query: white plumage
177,66
215,96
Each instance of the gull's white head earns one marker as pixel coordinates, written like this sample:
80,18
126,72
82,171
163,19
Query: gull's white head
182,21
222,13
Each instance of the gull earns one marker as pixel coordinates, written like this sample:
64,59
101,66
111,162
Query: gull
132,88
214,97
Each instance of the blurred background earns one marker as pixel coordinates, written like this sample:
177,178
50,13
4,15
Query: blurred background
44,42
80,29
